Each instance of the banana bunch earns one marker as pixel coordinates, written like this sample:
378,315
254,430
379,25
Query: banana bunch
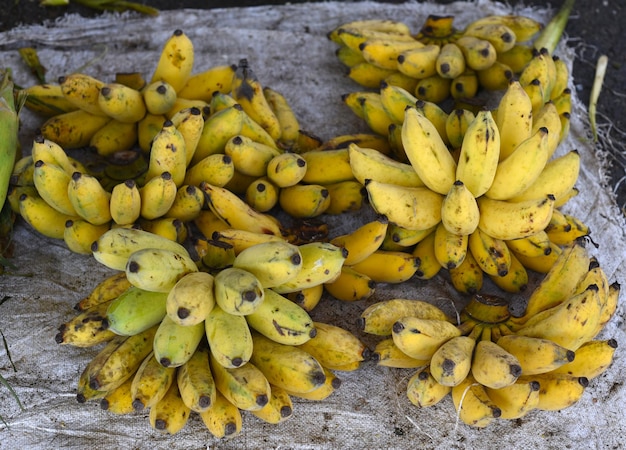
215,341
494,365
439,61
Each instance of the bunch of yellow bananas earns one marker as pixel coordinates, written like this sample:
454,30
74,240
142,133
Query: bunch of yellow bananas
217,341
495,365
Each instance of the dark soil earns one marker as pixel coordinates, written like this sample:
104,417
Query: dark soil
594,29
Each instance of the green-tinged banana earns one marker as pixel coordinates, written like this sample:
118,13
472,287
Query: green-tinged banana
345,196
218,128
119,400
517,399
368,75
334,346
450,248
42,217
15,192
135,310
222,419
170,414
115,246
387,354
287,366
524,27
121,103
82,90
473,405
47,100
365,140
191,299
107,289
401,237
273,263
420,338
395,99
463,87
217,255
262,194
249,157
542,68
348,56
450,61
217,169
304,200
174,344
86,329
286,169
480,150
175,62
89,198
188,203
517,57
424,251
278,408
414,208
119,360
281,320
435,89
380,317
505,220
158,269
457,124
591,360
423,390
307,298
459,210
362,241
468,276
159,97
351,285
513,118
521,168
452,362
84,392
73,129
321,263
236,213
289,124
561,81
51,182
230,340
195,381
245,386
203,84
371,164
147,129
157,196
79,235
427,152
495,78
238,291
559,390
516,279
167,154
388,266
23,169
114,136
493,366
150,383
610,305
536,355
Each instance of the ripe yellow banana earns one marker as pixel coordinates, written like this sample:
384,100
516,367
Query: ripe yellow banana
114,136
517,399
191,299
479,53
362,241
459,210
217,169
564,229
379,317
384,53
513,118
517,57
87,328
150,383
170,414
516,279
420,62
467,277
399,237
450,61
420,338
289,124
387,354
536,355
135,310
79,235
591,360
371,164
535,245
230,340
223,419
374,26
189,123
188,203
499,35
249,157
334,346
308,298
238,291
174,344
493,366
195,381
450,248
388,266
524,27
41,216
278,408
176,61
82,90
464,86
202,85
89,198
473,405
561,81
345,196
218,128
423,390
159,97
242,239
541,263
351,285
51,153
304,200
121,103
47,100
425,252
559,390
262,194
505,220
107,289
119,400
167,154
495,78
158,269
147,128
542,68
451,362
273,263
73,129
51,182
286,169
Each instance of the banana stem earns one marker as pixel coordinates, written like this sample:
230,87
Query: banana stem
552,32
595,93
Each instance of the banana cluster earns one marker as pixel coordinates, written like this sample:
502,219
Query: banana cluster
217,342
440,61
494,365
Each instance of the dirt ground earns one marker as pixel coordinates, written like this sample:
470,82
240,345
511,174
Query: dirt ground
594,29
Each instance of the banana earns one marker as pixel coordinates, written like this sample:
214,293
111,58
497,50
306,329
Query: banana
189,122
188,204
493,366
386,354
559,390
121,103
217,169
289,124
498,34
435,89
236,212
414,208
175,62
516,279
400,238
287,366
384,53
286,169
321,263
457,124
262,194
423,390
564,229
42,217
375,26
345,196
281,320
119,400
272,263
348,56
517,399
307,298
167,154
505,220
610,305
420,338
119,360
47,100
464,86
51,182
191,299
147,128
548,116
79,235
535,355
158,269
168,227
362,241
89,198
73,129
379,318
195,381
222,419
535,245
480,150
535,91
158,97
419,62
217,255
242,239
115,246
561,79
86,329
107,289
230,340
473,405
521,168
327,166
248,92
513,118
491,254
395,99
22,173
424,251
541,263
351,285
218,128
174,344
541,68
51,153
202,85
82,90
479,53
524,27
495,78
335,347
170,414
135,310
450,61
365,140
371,164
467,277
450,248
304,200
388,266
278,408
238,291
114,136
245,386
150,383
84,392
451,362
249,157
591,360
459,210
